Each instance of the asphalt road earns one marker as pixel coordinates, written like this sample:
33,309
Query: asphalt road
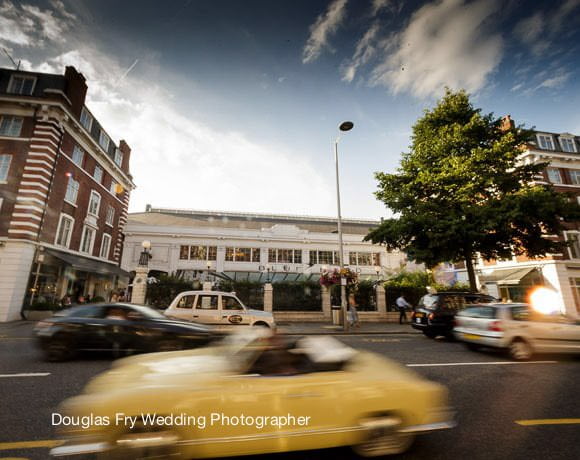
489,395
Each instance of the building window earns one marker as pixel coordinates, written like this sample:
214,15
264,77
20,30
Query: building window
104,141
77,156
1,203
545,142
4,167
64,230
285,256
86,119
554,175
573,244
118,157
365,258
11,126
574,176
110,219
243,254
98,174
87,240
72,191
113,188
324,257
198,252
94,203
567,144
105,246
21,84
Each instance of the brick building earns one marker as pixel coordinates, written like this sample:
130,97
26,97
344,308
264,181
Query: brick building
64,193
513,278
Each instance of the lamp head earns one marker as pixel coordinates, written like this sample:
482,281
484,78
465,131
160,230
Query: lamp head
146,244
346,126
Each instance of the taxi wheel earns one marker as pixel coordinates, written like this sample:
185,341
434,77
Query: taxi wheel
382,437
520,350
261,324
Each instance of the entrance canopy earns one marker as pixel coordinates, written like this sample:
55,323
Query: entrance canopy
507,276
87,265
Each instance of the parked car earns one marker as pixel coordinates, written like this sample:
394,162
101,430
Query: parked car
253,395
434,314
220,309
118,328
518,329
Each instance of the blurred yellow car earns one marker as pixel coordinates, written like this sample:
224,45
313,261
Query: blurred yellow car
251,394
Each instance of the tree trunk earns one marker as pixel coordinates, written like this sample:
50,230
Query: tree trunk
471,272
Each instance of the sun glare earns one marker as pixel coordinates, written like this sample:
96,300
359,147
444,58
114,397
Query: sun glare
544,301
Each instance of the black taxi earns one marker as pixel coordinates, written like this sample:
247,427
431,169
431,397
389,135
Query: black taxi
435,312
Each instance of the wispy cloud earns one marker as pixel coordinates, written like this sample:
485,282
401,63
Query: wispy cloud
556,81
539,30
326,24
446,43
178,161
365,50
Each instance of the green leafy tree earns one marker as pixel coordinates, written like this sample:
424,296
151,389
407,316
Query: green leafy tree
461,190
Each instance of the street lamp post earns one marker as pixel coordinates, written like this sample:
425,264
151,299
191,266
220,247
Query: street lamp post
344,126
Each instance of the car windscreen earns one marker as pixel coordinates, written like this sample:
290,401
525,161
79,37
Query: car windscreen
429,301
479,312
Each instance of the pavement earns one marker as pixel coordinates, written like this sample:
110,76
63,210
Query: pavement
21,329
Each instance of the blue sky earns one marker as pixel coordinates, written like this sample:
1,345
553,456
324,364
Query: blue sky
234,105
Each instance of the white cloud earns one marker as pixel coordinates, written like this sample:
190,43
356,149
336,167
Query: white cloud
30,26
178,161
325,25
517,87
447,43
14,29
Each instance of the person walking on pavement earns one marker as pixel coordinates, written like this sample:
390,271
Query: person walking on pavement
402,305
352,313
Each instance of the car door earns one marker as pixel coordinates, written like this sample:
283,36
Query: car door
90,328
233,313
556,334
206,309
183,309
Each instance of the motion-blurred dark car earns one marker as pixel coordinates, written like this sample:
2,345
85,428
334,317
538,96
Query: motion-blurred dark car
435,313
122,329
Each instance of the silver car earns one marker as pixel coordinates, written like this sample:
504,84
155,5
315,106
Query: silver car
220,309
517,328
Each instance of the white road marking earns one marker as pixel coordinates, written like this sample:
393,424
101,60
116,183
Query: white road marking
30,374
488,363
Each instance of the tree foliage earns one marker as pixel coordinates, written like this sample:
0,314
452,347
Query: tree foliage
462,190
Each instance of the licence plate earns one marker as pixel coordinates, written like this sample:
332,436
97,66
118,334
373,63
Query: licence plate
471,336
418,320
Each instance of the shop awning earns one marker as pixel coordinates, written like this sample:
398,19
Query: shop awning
510,276
87,265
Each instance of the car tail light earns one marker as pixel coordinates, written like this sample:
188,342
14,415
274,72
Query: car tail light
495,326
431,316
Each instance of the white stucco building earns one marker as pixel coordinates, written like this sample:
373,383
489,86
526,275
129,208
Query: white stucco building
207,245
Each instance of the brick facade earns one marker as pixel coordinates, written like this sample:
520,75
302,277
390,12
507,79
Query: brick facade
41,165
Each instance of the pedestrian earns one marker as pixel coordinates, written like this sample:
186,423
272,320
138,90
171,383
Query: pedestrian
352,312
122,297
81,300
114,297
402,306
66,301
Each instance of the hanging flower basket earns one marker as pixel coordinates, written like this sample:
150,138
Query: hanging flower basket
333,277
